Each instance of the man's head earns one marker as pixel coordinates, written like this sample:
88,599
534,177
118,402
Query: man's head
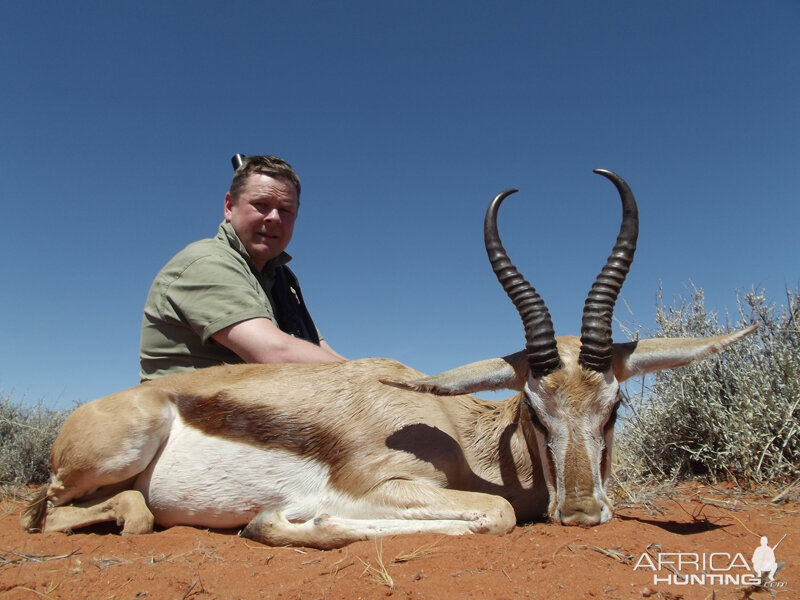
263,165
262,206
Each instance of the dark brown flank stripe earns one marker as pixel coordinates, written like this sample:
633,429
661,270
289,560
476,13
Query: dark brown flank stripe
262,426
354,469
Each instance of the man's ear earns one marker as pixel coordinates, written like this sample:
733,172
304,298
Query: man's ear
228,206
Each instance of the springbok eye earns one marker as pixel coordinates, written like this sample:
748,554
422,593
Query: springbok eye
538,424
612,418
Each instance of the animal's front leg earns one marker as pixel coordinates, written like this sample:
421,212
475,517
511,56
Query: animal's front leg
273,529
398,507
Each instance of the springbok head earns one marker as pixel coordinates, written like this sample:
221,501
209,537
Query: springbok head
573,393
570,385
572,399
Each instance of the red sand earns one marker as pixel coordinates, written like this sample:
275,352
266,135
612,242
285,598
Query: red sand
535,561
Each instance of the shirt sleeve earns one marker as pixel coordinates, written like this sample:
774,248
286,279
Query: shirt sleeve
213,293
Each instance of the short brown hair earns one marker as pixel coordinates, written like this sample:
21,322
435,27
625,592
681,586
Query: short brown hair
271,166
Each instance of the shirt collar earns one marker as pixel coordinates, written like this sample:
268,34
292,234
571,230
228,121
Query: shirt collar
227,233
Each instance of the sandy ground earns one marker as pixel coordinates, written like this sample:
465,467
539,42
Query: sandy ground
616,560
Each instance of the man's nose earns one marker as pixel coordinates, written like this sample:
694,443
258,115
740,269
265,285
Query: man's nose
272,215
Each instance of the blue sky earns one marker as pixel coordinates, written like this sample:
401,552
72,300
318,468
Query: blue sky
403,119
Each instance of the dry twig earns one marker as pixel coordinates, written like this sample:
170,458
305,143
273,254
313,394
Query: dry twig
21,558
779,498
615,554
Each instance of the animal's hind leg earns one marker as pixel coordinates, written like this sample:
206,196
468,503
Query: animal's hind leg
127,508
101,448
107,442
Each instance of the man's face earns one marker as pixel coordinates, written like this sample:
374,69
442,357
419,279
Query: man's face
263,216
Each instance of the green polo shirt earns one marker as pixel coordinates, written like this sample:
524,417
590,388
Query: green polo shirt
208,286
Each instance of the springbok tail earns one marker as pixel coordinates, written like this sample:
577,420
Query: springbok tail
33,516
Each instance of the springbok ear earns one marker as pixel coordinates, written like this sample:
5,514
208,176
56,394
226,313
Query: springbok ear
655,354
509,372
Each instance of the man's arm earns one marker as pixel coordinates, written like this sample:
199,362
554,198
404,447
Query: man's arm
327,347
260,341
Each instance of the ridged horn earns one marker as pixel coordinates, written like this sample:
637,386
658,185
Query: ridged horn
539,334
598,309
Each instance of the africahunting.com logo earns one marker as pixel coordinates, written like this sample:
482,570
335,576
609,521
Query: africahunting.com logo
714,568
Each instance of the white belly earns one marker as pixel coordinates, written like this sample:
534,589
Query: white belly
212,482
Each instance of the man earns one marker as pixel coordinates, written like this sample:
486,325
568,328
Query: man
231,299
764,559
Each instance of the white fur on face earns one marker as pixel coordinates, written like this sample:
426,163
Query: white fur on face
572,450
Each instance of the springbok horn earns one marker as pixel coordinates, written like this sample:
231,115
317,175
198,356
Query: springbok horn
541,341
598,310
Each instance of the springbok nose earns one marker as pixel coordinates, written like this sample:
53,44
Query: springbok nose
581,511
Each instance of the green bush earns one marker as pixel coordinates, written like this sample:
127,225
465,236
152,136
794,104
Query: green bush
733,416
26,434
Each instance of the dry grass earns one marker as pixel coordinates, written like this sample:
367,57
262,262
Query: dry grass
424,551
26,434
378,573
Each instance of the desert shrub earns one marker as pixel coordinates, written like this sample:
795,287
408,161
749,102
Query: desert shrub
733,416
26,434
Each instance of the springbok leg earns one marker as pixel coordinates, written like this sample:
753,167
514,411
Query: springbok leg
127,508
427,510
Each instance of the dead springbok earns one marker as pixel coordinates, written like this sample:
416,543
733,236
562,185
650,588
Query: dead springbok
323,455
